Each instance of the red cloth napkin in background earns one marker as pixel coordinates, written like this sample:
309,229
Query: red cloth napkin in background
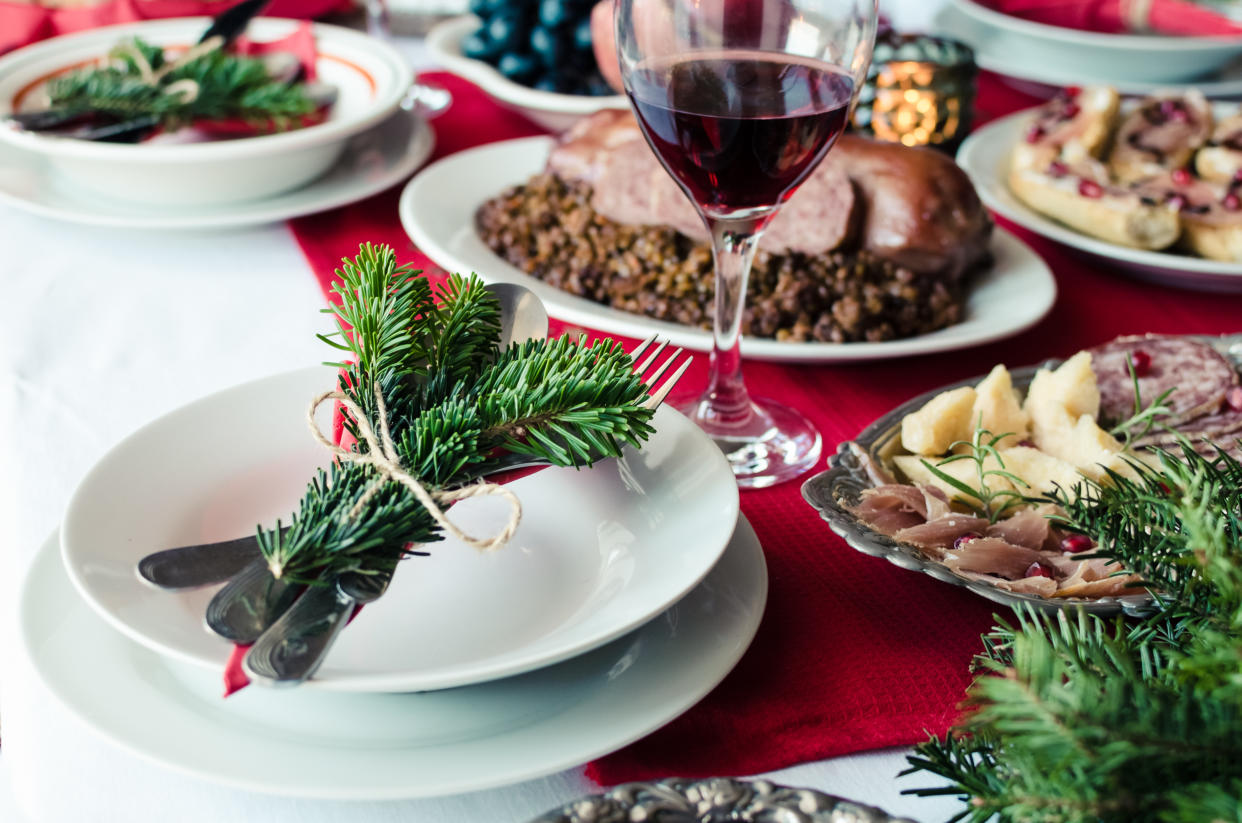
1179,17
853,653
22,23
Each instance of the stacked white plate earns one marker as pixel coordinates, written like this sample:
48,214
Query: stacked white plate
367,143
629,591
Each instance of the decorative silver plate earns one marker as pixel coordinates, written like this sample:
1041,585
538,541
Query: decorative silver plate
862,464
715,800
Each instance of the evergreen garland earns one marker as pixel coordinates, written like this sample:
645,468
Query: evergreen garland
1078,718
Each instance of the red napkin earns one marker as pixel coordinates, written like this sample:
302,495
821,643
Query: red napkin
22,23
853,653
1116,16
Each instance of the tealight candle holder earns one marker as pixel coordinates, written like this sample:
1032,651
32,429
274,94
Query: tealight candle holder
920,91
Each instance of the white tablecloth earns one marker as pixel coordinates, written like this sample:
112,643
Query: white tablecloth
103,331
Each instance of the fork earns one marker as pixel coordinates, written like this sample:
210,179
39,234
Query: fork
210,563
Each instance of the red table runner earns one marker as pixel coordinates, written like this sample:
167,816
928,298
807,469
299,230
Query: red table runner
853,653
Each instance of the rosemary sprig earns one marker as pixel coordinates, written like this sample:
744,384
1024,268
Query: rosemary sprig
1145,418
992,503
455,402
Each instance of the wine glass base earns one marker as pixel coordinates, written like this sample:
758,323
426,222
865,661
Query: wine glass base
769,445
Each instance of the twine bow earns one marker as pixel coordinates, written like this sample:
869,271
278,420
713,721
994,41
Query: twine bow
185,87
382,454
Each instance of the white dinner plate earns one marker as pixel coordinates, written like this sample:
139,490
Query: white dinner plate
438,212
1051,57
319,744
598,552
985,157
372,161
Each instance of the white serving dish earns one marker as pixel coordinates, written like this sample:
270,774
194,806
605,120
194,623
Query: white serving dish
1097,57
437,211
555,112
371,78
985,157
598,552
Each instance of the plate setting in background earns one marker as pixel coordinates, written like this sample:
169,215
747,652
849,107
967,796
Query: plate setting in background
438,213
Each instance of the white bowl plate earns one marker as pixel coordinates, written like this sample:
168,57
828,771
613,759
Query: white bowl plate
371,78
438,212
598,552
555,112
1135,63
372,161
985,157
316,744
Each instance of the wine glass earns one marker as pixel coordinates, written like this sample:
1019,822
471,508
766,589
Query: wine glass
740,100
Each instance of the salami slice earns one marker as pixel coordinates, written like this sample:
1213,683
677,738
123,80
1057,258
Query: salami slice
1223,427
1198,375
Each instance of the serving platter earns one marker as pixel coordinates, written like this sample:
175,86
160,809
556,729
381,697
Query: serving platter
985,157
318,744
438,209
598,552
848,475
1051,56
371,162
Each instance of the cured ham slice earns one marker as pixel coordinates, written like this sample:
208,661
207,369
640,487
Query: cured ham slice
1028,528
991,555
941,533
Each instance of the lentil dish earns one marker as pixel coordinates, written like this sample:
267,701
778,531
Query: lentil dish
548,229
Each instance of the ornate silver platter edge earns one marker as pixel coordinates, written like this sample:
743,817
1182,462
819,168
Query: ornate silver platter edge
715,800
858,465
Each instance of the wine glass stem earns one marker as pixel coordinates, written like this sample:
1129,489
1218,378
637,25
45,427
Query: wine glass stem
734,242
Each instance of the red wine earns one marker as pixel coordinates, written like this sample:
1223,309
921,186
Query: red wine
739,130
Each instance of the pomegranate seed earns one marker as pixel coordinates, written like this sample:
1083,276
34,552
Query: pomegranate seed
1231,202
1075,543
1057,169
1035,134
1173,110
1037,570
1181,177
964,539
1237,176
1164,487
1071,111
1073,91
1090,188
1030,444
1176,201
1141,361
1233,398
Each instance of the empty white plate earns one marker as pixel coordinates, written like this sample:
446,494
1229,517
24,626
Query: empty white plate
598,552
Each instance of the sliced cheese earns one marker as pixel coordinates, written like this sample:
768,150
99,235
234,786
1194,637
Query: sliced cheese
1041,472
1057,399
942,421
965,471
997,408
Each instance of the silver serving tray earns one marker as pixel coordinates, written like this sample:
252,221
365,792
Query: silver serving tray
715,799
863,463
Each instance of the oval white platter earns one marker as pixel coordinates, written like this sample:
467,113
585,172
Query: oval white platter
985,157
1055,56
438,213
317,744
373,161
598,552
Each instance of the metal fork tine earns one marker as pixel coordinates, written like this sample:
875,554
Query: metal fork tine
658,396
655,376
651,358
642,347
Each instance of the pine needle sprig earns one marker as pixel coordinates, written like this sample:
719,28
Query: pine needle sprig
228,87
987,501
1074,717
